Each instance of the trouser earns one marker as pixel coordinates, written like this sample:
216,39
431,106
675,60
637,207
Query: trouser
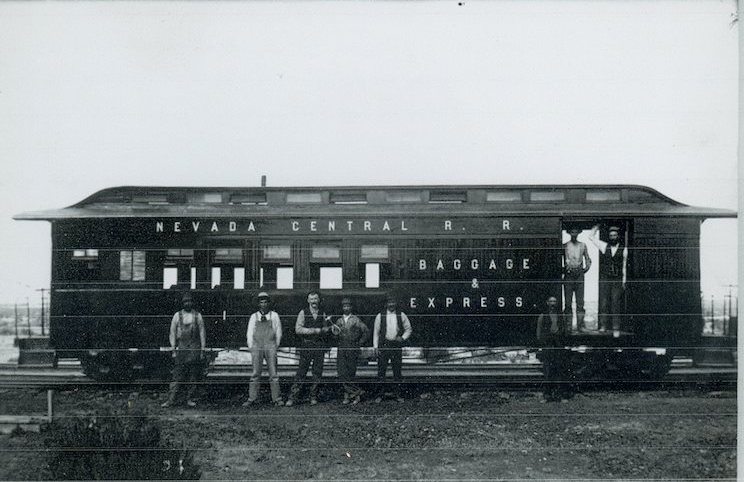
187,372
392,353
308,356
573,284
611,304
559,377
346,364
258,355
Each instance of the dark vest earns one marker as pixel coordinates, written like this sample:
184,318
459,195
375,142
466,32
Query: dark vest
612,266
319,322
383,325
546,330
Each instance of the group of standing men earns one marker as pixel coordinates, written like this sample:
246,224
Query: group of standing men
317,333
612,276
553,325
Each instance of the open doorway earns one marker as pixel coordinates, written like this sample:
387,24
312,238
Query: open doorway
584,293
593,268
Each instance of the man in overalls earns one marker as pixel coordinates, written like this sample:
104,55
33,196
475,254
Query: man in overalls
187,340
263,337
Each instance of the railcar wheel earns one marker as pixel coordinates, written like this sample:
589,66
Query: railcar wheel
157,367
657,368
107,367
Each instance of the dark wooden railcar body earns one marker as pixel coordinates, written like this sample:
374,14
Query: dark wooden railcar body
470,265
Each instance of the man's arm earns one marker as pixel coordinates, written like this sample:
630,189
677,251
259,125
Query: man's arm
202,330
278,327
300,328
601,245
587,259
625,265
376,332
539,325
365,332
172,336
250,331
407,329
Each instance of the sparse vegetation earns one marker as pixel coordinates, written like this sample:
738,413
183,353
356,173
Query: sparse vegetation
115,446
436,434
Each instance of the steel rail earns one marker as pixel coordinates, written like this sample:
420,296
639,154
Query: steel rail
509,376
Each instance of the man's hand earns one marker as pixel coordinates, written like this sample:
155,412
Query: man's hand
399,339
325,329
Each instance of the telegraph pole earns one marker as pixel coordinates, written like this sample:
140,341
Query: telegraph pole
28,316
713,313
42,311
15,308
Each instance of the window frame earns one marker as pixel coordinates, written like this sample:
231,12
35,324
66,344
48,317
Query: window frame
334,267
132,278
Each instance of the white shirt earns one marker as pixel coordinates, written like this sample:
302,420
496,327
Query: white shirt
391,327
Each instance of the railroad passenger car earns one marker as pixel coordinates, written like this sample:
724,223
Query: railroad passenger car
470,265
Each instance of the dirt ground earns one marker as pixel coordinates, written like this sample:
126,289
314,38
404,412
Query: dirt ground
434,434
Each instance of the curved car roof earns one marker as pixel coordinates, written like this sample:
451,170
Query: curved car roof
472,200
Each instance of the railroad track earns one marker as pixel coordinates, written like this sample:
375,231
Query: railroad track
525,376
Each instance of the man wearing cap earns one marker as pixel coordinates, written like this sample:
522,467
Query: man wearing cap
612,277
576,262
263,338
187,340
391,331
313,327
351,333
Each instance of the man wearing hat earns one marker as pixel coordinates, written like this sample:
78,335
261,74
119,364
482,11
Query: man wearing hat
576,262
612,278
313,328
392,330
351,333
263,338
187,340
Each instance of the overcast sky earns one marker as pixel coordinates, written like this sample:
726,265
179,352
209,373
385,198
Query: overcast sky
99,94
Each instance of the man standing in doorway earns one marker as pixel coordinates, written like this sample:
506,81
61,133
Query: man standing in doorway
313,328
392,330
612,278
576,262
